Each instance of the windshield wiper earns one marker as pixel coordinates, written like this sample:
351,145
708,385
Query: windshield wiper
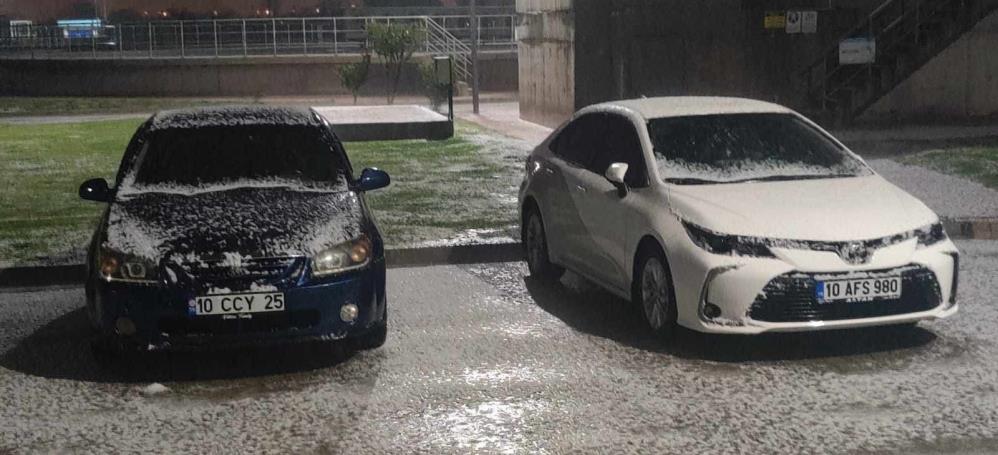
691,181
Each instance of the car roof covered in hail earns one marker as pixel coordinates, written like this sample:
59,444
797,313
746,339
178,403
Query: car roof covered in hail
206,117
683,106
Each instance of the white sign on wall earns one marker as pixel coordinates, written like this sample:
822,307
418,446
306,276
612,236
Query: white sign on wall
809,21
793,21
857,51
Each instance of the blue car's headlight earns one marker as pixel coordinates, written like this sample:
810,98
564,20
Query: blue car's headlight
344,257
732,245
930,235
118,266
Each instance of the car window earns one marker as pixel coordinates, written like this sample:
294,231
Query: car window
740,147
618,143
574,144
218,155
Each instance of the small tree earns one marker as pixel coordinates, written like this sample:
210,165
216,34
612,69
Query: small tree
394,45
353,76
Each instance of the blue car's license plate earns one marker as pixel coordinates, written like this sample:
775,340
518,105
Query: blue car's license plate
221,304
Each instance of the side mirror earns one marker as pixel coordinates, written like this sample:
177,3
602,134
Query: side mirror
95,190
615,174
372,179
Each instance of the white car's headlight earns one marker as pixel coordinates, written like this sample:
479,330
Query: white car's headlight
344,257
118,266
930,235
731,245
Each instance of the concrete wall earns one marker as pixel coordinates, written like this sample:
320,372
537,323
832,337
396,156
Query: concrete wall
961,82
632,48
546,60
681,47
225,77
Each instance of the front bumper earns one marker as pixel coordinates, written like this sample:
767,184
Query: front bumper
758,295
312,312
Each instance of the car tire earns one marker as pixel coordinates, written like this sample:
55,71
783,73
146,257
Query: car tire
652,292
375,337
536,248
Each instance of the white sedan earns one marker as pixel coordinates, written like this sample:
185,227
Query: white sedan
731,215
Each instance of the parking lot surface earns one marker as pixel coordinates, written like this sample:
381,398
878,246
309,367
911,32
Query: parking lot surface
483,359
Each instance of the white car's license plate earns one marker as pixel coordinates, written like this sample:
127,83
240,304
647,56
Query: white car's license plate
888,287
220,304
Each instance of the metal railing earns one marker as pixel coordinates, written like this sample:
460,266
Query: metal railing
226,38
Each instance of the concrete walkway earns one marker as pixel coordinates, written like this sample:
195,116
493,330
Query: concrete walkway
504,117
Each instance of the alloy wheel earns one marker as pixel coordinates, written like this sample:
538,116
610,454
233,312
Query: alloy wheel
655,297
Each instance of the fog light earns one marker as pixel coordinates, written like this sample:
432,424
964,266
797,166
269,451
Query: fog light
711,311
124,326
349,312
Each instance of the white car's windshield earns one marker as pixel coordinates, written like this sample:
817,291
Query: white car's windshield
746,147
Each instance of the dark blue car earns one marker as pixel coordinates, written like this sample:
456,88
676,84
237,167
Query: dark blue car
232,226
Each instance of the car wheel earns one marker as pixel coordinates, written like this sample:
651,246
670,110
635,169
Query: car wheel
375,337
653,294
535,243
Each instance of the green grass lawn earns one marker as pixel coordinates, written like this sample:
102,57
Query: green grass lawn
439,190
975,163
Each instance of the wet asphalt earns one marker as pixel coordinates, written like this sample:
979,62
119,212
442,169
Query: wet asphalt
482,358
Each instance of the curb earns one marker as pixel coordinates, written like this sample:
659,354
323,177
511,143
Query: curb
971,228
396,258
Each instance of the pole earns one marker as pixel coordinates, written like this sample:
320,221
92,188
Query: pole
474,56
214,32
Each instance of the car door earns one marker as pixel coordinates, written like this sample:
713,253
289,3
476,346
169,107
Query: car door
565,229
581,182
605,213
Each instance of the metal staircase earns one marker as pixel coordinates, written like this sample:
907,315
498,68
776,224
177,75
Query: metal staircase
441,41
908,33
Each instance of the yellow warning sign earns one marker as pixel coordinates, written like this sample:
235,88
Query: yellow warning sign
775,19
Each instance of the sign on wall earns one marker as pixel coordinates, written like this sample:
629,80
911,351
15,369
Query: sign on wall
793,21
775,19
802,22
857,51
809,21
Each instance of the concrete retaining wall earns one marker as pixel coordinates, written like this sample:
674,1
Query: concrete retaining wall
264,76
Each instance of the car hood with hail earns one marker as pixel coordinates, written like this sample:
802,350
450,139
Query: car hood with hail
834,209
255,222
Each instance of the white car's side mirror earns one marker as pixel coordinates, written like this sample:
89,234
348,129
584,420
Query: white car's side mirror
615,174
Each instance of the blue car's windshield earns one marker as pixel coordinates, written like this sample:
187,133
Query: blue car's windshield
744,147
220,155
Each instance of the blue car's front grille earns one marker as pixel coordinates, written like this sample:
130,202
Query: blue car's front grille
247,270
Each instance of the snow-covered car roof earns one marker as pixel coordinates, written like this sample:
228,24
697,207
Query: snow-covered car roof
681,106
233,116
